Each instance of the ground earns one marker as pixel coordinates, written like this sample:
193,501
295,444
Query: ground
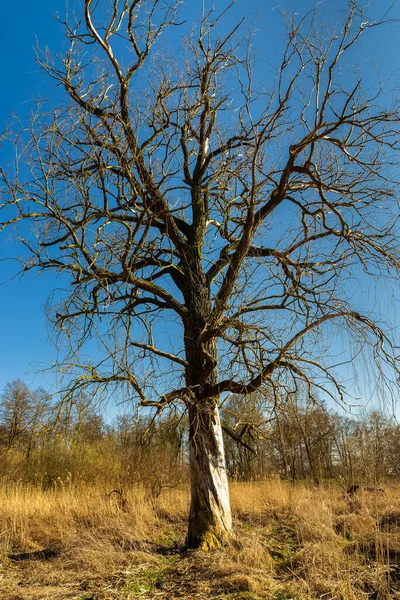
291,542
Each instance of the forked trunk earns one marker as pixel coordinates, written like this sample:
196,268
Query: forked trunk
210,521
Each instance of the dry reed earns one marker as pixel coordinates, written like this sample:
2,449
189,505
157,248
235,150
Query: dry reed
297,541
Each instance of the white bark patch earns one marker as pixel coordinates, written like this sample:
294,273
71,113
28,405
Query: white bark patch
210,511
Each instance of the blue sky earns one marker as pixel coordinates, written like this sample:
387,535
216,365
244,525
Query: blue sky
24,339
23,331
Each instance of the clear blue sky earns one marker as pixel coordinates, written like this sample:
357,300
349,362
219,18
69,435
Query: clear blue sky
24,340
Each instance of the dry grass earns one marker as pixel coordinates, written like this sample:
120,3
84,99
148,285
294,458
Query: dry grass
296,542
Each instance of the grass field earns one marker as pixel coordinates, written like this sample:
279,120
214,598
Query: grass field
294,542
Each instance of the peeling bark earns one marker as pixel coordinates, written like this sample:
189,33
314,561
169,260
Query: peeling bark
210,520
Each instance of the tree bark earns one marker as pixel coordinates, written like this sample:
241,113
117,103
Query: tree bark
210,520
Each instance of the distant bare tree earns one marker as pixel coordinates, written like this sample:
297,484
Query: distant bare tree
15,412
40,417
209,226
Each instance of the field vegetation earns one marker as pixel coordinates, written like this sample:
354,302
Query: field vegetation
97,511
293,541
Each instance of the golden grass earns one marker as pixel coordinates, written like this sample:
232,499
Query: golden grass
297,542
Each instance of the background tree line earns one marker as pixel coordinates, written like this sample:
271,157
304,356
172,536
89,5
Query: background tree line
47,444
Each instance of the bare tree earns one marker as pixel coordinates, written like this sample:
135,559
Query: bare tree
40,415
15,411
209,226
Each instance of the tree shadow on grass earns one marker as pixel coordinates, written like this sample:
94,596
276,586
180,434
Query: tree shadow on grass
45,554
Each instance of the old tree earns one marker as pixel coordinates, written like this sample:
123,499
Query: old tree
211,217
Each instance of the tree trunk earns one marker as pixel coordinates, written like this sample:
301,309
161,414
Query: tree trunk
210,515
210,519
